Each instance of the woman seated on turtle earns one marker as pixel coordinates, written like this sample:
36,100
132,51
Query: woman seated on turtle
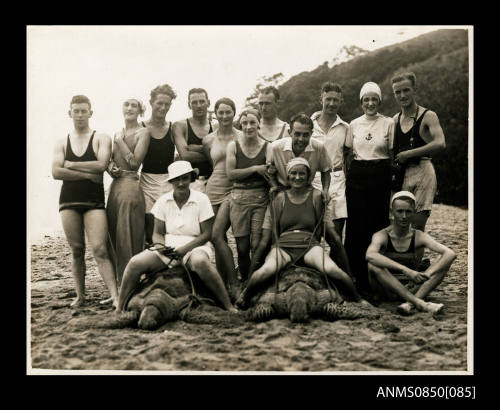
183,221
297,216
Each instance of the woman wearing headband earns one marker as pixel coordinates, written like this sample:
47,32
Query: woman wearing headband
125,208
296,215
368,182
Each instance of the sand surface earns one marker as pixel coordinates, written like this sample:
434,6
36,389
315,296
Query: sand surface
62,339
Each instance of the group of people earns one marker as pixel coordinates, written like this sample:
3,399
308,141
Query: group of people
281,187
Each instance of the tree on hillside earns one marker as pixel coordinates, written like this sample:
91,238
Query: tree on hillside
440,61
265,81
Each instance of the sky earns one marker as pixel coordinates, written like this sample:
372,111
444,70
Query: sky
112,63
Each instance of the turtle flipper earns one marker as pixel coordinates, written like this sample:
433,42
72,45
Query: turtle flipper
119,320
262,312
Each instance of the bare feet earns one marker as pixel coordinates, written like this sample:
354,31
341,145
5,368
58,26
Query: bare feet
106,301
405,308
434,308
78,302
232,309
430,307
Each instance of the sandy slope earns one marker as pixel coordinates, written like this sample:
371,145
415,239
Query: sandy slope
61,340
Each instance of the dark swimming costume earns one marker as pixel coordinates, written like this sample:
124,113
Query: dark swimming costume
296,224
404,141
83,194
160,154
205,166
407,258
255,180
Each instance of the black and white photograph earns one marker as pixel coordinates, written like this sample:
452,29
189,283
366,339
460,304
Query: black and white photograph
249,200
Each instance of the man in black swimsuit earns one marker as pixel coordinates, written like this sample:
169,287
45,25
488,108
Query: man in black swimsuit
79,161
417,136
189,134
393,258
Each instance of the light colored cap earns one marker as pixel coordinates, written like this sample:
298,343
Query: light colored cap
297,161
406,194
178,168
370,87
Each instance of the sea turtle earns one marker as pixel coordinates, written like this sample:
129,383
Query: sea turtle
302,293
164,296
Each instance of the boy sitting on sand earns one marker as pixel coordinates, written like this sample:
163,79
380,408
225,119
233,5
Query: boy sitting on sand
393,257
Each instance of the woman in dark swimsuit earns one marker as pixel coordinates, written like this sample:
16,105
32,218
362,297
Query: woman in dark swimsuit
297,216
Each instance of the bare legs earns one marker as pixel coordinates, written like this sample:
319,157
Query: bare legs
223,254
72,223
418,222
148,261
339,226
95,224
316,258
149,224
243,248
275,260
200,263
389,283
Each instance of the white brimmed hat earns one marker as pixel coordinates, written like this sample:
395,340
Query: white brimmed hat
178,168
405,194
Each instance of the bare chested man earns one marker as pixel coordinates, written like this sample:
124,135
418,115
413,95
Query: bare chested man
189,134
393,259
79,161
271,127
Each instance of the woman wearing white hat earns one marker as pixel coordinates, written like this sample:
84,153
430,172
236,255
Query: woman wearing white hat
183,221
297,217
368,183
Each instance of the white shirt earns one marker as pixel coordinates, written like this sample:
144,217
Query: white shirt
371,139
182,225
334,138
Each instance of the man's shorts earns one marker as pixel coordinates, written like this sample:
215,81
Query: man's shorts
246,211
337,207
420,180
207,248
153,186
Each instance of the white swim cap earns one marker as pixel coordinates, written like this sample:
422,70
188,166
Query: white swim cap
370,87
405,194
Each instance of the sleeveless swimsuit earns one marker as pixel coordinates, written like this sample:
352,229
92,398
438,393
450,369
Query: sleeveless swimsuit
205,166
154,173
255,180
218,185
404,141
407,258
81,195
296,225
160,154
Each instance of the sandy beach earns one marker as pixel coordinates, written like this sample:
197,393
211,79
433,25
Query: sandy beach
63,339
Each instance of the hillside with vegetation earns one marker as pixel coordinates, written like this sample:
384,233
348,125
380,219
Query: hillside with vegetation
439,59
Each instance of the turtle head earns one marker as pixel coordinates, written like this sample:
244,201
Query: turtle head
299,298
149,318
